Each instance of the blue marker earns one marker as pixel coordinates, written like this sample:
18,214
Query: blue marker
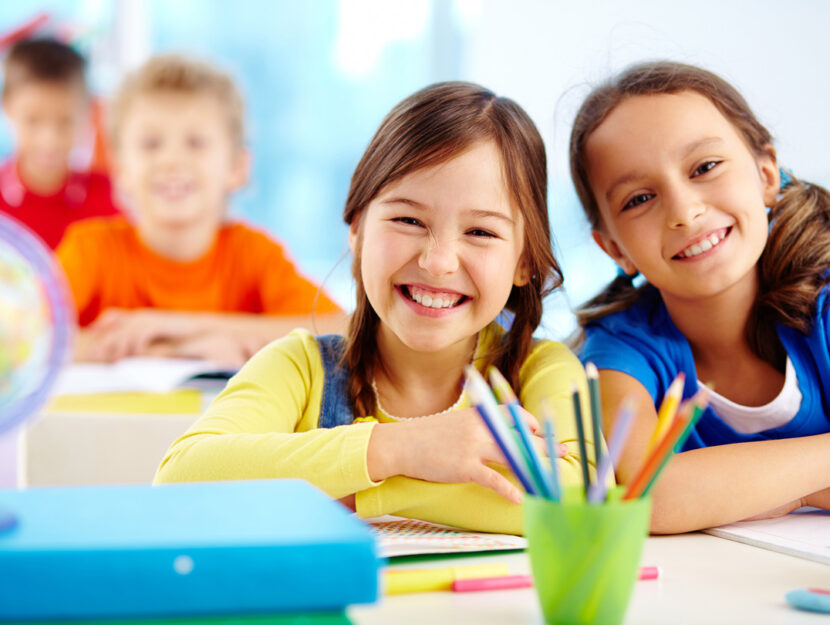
812,599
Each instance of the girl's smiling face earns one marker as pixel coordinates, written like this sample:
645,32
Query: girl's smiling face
681,196
440,250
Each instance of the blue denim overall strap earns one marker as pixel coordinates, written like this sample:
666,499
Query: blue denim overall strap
334,406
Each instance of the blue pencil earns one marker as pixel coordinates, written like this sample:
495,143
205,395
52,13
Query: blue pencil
505,394
556,491
489,410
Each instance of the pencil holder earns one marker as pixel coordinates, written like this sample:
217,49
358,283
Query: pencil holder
585,557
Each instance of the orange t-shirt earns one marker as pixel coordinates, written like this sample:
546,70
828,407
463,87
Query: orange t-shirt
108,266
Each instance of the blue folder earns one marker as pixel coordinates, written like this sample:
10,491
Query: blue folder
114,552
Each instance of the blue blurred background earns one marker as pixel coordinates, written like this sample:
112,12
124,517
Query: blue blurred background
319,76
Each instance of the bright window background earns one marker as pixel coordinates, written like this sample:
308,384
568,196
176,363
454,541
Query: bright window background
319,76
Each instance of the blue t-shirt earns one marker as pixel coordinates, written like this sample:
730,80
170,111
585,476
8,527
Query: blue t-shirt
643,342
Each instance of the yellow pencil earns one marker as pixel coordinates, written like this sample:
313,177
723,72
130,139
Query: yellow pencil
668,409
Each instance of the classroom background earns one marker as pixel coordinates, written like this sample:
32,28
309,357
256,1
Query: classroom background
318,77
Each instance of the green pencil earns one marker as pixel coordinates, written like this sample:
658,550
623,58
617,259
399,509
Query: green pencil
596,410
580,436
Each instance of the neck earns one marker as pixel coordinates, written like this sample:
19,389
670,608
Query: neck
40,181
182,243
716,326
413,383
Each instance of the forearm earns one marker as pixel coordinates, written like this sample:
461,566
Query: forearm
727,483
467,505
331,459
264,328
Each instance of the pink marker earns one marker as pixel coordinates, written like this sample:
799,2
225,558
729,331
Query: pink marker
492,583
649,572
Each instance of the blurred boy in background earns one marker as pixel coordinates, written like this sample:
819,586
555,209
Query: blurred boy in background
46,101
176,277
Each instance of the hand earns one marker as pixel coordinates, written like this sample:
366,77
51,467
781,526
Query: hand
224,349
451,447
120,333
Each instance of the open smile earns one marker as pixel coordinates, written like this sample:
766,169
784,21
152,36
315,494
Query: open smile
430,301
704,245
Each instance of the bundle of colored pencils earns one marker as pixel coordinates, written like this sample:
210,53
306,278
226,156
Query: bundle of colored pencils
674,424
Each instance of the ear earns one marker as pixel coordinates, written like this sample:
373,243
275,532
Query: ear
240,170
610,247
522,275
770,176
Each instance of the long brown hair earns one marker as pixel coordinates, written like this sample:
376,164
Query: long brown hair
797,254
430,127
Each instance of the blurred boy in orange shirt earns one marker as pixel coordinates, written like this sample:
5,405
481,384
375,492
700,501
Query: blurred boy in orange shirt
47,104
177,278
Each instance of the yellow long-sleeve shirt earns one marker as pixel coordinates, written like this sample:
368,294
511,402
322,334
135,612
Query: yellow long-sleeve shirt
264,425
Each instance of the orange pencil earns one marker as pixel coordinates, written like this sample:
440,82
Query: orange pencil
663,449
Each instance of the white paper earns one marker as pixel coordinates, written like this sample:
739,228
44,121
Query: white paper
804,533
150,375
407,537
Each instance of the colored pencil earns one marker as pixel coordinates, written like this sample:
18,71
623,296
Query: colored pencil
505,394
489,410
580,435
678,432
698,402
668,409
596,411
616,443
550,439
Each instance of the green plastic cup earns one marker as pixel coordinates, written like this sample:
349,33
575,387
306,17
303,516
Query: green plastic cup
585,557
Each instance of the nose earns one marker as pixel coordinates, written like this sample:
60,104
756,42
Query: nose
439,257
683,207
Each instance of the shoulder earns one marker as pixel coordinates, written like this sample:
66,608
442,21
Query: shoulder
296,352
641,341
99,230
240,233
550,356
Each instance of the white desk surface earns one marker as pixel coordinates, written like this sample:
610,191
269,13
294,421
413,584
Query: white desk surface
704,581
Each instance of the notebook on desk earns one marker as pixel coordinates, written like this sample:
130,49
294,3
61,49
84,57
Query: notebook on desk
116,552
804,533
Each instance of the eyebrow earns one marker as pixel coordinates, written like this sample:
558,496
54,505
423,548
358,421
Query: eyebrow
477,212
683,152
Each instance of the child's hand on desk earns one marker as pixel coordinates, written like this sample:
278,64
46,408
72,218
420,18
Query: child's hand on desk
450,447
120,333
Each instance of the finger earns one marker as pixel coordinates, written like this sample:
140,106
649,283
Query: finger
532,422
495,481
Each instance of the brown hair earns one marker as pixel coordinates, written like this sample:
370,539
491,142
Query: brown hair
173,73
42,60
429,127
792,267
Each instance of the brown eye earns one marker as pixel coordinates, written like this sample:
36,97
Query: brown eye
640,198
705,167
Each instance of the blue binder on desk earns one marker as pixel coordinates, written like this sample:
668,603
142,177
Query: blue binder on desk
219,548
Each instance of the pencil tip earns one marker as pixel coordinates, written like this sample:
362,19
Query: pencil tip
591,370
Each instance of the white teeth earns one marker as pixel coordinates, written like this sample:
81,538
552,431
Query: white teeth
704,246
434,302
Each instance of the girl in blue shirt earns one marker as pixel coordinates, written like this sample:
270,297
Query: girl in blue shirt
681,185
